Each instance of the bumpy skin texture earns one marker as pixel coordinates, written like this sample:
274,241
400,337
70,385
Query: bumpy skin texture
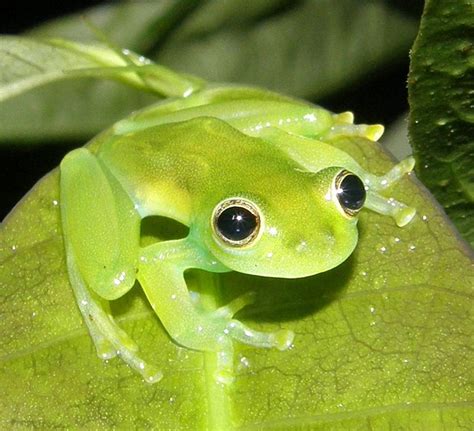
183,158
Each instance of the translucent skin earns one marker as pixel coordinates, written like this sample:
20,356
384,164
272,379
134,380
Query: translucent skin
180,159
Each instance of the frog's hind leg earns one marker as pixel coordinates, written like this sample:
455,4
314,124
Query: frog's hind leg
109,339
101,236
343,125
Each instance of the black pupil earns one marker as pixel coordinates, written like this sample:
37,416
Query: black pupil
236,223
351,192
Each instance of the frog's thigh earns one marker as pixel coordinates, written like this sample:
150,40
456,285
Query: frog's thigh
101,234
100,225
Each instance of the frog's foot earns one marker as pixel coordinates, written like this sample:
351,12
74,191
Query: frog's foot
281,340
343,125
343,118
401,213
236,330
369,131
220,325
215,331
109,339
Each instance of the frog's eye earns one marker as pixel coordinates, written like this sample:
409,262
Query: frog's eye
350,192
236,221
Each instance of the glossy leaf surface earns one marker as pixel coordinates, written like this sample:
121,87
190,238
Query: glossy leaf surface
441,87
382,341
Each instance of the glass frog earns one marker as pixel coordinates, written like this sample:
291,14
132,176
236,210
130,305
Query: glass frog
252,174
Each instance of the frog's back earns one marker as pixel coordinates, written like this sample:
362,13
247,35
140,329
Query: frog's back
167,168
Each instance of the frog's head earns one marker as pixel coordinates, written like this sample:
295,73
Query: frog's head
294,227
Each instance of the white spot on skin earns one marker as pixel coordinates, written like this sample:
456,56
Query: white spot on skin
119,279
248,333
383,249
161,256
412,247
273,231
424,218
173,297
372,309
188,92
55,202
396,239
328,196
310,117
14,247
269,255
244,361
302,246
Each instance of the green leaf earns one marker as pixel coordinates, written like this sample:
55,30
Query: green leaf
309,49
27,64
304,48
441,88
384,341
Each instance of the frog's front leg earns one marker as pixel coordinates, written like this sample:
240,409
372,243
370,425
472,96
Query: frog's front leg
161,275
101,232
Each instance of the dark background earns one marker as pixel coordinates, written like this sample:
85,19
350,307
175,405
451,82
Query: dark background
381,98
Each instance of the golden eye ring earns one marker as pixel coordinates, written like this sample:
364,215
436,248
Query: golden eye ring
350,192
237,222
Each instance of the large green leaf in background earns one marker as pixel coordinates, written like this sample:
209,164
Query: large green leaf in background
382,342
304,48
441,87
